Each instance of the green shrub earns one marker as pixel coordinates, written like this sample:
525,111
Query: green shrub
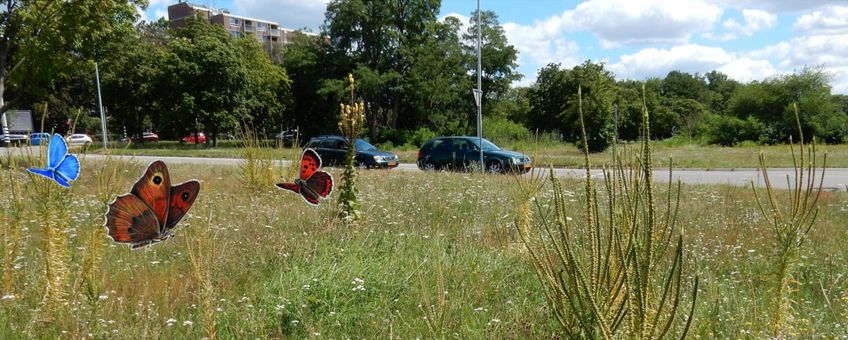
420,136
729,130
501,130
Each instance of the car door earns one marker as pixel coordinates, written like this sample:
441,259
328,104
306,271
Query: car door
442,153
465,153
324,148
339,151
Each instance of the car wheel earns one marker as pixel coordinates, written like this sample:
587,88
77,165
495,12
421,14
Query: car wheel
362,165
494,167
429,166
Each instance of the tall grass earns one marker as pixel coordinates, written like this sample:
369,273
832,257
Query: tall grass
790,222
257,164
436,257
617,272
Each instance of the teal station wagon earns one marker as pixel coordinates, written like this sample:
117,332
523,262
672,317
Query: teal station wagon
461,152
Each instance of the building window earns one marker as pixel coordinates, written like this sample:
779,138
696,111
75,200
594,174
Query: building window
234,21
260,27
236,34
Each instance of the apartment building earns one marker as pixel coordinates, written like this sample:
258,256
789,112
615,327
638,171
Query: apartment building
238,26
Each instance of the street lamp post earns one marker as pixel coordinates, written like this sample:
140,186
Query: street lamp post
478,93
100,104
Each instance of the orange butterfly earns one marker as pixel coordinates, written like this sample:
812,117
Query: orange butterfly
149,213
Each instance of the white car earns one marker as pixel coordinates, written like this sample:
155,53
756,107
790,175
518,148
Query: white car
14,138
79,139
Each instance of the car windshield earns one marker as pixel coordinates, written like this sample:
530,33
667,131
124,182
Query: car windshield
362,145
487,145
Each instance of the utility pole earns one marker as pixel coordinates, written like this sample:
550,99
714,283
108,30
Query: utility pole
478,94
100,104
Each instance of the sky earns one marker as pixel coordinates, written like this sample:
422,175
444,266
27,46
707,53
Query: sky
636,39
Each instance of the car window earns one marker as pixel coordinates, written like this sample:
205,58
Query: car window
313,143
327,144
442,145
340,144
362,145
462,145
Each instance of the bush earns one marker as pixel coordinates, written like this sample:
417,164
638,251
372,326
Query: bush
420,136
729,130
502,131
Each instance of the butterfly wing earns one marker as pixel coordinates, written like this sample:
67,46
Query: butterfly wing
68,169
289,186
182,197
43,172
56,151
320,185
310,162
154,189
130,220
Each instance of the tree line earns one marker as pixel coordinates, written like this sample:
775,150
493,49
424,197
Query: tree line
414,73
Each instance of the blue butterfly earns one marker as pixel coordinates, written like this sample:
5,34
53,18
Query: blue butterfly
62,167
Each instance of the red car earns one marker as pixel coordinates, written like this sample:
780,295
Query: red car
201,138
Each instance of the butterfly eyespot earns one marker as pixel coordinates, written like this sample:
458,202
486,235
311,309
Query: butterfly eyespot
157,180
185,196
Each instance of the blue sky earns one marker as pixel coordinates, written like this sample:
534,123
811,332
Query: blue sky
746,39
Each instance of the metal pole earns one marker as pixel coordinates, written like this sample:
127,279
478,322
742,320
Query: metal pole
100,104
479,89
6,139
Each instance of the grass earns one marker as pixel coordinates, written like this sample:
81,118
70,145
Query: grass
439,246
559,155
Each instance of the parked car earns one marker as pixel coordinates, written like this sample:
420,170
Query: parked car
201,138
149,137
226,136
14,138
333,150
79,139
459,153
38,138
288,137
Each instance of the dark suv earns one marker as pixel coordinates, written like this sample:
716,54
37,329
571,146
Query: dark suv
459,153
333,149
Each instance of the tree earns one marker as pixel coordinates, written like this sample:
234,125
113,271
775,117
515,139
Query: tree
438,85
40,39
206,71
133,79
771,102
372,38
498,57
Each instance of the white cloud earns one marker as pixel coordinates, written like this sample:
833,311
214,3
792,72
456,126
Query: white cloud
623,22
755,20
542,43
830,51
288,13
831,20
746,69
780,6
652,62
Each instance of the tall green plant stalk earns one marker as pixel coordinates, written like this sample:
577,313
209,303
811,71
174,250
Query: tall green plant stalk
202,254
791,223
52,212
13,216
611,275
256,170
351,122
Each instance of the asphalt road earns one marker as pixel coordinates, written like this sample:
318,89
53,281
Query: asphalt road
835,179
